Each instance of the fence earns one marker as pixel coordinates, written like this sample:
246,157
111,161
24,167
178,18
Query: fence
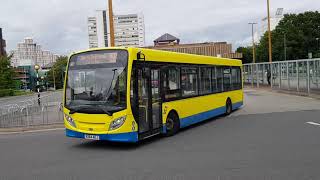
32,113
300,75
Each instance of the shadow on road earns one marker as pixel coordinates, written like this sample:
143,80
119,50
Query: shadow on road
106,145
116,146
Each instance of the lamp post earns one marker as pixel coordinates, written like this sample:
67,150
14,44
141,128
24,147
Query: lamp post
37,67
285,45
269,32
253,43
317,44
42,81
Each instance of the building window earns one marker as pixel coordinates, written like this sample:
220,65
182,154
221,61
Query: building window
189,80
205,80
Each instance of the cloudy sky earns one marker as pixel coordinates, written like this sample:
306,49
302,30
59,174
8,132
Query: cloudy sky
61,25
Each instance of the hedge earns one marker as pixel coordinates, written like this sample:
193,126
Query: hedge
6,92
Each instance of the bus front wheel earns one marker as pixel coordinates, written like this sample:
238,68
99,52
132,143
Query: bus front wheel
172,124
228,107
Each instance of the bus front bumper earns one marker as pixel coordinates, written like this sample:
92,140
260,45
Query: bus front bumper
123,137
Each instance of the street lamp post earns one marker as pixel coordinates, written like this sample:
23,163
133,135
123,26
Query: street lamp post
269,32
37,67
285,45
42,81
317,44
253,43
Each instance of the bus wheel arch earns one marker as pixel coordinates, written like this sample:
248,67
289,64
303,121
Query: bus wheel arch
172,123
228,106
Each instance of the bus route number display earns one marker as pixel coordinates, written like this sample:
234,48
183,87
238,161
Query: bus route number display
99,58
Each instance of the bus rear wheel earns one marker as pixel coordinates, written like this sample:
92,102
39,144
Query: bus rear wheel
228,107
172,124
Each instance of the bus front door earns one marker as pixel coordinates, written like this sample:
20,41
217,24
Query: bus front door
149,101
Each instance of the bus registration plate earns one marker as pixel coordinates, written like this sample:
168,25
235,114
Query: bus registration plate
92,137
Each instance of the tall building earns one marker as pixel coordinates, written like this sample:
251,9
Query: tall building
97,29
29,53
2,44
168,42
129,30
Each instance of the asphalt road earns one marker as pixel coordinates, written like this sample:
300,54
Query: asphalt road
259,141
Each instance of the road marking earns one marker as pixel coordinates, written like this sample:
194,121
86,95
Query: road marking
31,131
313,123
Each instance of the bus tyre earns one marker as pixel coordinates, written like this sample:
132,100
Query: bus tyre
172,124
228,107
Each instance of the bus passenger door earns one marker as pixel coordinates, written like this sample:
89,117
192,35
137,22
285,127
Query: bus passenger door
148,99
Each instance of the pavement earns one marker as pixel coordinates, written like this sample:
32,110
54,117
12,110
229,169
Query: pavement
274,136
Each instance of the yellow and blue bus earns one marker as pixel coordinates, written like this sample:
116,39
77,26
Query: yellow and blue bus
130,94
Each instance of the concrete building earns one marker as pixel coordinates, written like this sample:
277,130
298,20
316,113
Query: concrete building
129,30
29,53
168,42
97,30
2,44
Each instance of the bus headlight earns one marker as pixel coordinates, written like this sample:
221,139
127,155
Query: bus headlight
115,124
70,120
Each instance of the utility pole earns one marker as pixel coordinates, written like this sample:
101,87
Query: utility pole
253,44
54,79
269,33
111,25
285,45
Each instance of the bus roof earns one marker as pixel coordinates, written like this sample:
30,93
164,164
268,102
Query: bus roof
171,57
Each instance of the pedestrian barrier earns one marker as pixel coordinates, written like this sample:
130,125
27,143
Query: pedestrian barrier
299,75
32,113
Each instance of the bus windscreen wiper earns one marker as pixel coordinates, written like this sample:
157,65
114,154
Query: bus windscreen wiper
94,109
77,109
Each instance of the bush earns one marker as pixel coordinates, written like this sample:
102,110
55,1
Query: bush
6,92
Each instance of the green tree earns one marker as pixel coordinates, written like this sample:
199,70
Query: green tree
6,73
299,31
56,73
247,54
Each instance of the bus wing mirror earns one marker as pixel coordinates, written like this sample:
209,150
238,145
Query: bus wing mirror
141,56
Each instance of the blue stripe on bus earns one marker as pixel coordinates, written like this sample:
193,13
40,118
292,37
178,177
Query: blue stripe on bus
122,137
184,122
237,105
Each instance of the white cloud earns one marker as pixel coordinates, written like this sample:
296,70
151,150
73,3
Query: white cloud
61,26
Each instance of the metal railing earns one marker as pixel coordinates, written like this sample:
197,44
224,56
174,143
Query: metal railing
299,75
31,113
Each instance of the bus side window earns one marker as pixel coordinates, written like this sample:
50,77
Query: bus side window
236,78
171,83
214,80
205,80
219,73
189,81
227,79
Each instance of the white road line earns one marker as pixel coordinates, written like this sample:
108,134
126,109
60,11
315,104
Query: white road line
313,123
31,131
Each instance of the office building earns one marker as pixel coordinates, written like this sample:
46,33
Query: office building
168,42
29,53
97,30
129,30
